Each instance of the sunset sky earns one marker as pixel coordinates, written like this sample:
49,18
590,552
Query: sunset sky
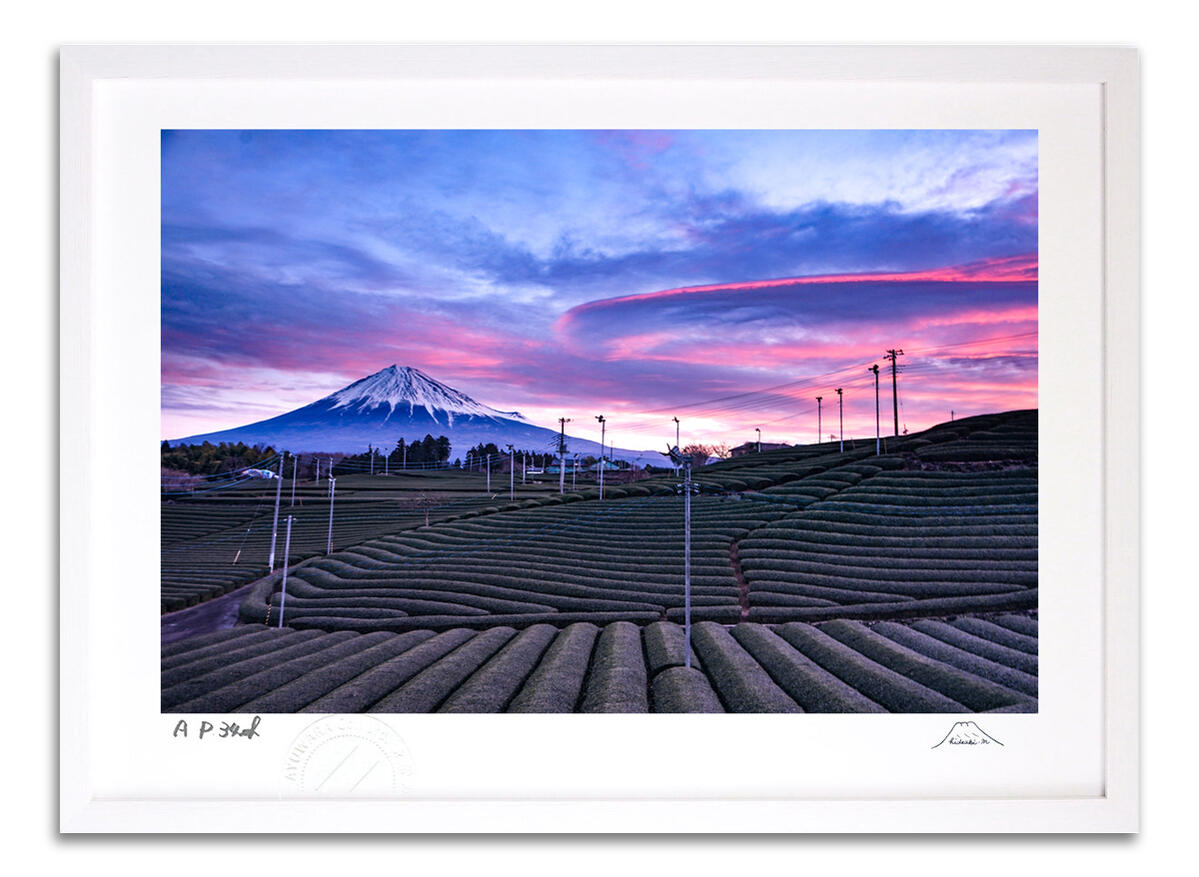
724,277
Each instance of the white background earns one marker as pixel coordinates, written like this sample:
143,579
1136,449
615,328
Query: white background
1056,753
30,369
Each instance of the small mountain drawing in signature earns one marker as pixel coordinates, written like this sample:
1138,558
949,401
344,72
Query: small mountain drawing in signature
968,734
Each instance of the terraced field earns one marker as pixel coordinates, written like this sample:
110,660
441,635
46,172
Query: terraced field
213,543
873,542
821,581
583,561
970,664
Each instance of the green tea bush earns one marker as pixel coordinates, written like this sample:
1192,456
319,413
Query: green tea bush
472,622
805,556
977,693
719,614
555,685
491,688
884,686
425,691
773,598
665,646
949,583
683,690
616,681
1019,623
965,453
770,593
232,695
997,634
296,645
295,695
984,668
365,690
261,641
740,682
809,684
901,609
362,607
947,633
201,646
941,575
830,508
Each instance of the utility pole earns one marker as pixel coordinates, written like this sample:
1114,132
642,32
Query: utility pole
488,464
758,430
286,555
524,470
894,355
387,464
372,450
819,420
574,473
332,493
603,424
405,463
684,462
275,525
562,421
687,560
841,417
676,440
878,432
295,473
511,473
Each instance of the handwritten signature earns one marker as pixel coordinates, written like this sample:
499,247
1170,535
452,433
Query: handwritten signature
225,730
967,734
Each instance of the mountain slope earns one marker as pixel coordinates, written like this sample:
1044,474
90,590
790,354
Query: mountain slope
403,402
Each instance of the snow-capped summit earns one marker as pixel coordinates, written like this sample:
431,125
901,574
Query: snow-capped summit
400,387
401,402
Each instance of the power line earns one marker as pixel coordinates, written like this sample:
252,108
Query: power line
975,341
831,374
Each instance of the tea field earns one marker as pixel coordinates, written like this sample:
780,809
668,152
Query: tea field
215,542
821,580
971,664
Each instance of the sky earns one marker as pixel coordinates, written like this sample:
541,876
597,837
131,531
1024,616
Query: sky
726,278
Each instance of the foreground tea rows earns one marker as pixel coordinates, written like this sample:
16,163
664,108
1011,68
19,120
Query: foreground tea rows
982,663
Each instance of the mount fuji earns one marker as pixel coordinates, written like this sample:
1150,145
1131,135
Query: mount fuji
403,402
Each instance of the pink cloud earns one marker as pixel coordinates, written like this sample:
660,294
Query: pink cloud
1008,269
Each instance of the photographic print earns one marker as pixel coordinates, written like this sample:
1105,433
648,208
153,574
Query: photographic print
640,421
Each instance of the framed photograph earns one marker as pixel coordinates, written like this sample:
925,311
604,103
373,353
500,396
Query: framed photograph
599,439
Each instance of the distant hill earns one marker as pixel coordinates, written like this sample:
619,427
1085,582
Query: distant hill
404,402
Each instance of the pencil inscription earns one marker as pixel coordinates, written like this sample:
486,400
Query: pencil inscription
221,730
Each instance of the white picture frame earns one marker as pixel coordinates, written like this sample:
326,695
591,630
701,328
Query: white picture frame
112,92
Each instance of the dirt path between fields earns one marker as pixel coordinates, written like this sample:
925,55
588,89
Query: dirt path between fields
742,584
217,614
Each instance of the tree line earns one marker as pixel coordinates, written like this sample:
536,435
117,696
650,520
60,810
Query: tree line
210,459
416,454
